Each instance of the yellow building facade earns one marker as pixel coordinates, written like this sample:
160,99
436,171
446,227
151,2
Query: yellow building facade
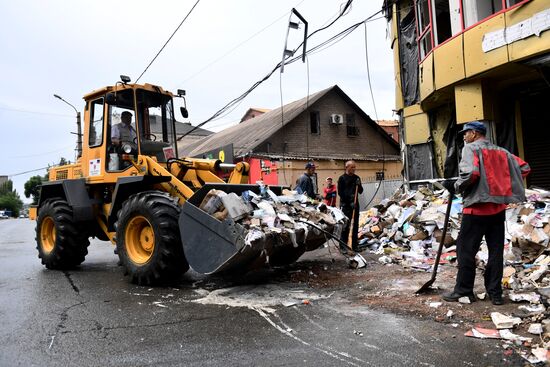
463,60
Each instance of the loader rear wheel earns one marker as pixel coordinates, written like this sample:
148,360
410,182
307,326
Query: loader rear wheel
62,243
148,238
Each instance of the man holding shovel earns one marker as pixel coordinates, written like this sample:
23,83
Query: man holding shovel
490,177
349,188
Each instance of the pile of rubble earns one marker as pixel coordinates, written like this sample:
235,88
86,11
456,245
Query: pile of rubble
275,228
407,228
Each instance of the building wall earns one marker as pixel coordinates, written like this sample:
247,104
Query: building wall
332,139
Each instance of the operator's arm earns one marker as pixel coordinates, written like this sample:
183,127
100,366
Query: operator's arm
468,169
115,135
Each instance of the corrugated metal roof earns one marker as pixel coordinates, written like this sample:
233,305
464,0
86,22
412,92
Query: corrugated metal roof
334,156
250,133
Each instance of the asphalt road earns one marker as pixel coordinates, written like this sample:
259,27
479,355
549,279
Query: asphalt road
93,316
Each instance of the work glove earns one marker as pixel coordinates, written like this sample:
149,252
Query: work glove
449,184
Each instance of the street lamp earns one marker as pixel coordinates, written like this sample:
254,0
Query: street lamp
78,126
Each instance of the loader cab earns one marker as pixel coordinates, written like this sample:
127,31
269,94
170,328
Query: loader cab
139,121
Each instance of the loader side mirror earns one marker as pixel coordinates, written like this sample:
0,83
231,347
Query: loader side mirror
110,98
184,112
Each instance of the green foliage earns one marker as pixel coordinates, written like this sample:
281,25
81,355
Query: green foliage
32,188
9,198
6,187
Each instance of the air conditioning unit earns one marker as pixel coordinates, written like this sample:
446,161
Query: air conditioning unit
336,119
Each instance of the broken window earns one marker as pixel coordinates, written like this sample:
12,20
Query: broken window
424,27
477,10
314,120
439,20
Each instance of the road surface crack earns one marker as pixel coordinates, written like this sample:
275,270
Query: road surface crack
68,276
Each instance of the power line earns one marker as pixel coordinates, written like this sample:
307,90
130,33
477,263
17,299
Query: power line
22,173
41,154
35,112
232,103
368,72
162,48
238,46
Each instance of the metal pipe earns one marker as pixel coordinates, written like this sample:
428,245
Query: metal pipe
227,166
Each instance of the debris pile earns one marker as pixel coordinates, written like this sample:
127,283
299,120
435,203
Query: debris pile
406,229
276,228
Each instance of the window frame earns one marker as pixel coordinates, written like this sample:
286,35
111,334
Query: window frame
352,130
421,58
317,115
91,122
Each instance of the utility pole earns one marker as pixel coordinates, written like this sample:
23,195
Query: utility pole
78,128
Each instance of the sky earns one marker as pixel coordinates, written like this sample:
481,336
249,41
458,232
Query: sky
70,48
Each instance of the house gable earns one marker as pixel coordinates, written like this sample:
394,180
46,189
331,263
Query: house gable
332,140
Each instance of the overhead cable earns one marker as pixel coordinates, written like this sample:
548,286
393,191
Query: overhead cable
238,99
162,48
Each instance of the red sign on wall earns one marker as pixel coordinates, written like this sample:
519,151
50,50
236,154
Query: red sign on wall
263,169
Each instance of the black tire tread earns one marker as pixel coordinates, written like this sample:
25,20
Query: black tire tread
71,245
168,260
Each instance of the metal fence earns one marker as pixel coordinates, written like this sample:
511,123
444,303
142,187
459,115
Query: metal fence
373,194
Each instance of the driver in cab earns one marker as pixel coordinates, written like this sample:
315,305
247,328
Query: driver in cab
123,131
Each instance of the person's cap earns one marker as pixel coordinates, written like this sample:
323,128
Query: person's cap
329,178
474,125
310,165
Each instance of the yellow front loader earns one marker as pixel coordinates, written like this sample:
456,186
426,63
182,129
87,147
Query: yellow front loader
130,187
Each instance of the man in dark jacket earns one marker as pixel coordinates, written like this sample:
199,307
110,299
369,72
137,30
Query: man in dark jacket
348,183
490,177
305,183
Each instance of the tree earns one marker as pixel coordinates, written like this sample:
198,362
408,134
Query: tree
32,188
9,199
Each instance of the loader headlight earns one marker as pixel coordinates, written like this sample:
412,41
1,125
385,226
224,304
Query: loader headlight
127,148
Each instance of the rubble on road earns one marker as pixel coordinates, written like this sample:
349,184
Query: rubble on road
406,229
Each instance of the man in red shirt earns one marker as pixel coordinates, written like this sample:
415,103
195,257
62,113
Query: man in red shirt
329,193
490,177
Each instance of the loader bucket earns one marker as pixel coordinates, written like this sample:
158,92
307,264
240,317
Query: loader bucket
213,246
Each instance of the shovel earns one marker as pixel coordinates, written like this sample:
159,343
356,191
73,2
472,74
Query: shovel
429,283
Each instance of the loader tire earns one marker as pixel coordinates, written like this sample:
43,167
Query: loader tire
62,243
148,239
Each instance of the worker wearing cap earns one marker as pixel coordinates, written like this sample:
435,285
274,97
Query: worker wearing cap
305,182
490,177
329,193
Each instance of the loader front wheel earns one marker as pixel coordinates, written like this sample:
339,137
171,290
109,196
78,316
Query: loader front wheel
62,243
148,238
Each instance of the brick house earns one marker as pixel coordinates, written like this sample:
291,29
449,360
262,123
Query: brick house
391,127
327,128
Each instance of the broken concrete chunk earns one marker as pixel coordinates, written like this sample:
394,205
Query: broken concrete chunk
535,328
236,207
502,321
531,297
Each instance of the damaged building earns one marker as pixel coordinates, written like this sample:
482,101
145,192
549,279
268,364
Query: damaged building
462,60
